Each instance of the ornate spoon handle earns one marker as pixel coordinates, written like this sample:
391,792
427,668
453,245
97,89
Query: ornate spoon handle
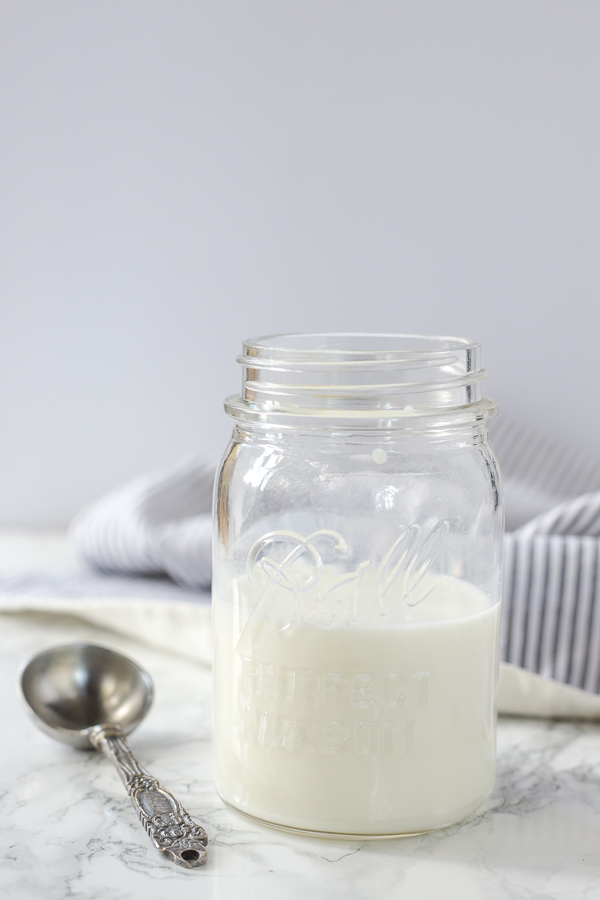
171,829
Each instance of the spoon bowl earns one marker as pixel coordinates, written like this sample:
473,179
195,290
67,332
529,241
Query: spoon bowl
76,687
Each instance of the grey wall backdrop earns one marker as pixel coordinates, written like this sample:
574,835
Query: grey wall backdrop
177,176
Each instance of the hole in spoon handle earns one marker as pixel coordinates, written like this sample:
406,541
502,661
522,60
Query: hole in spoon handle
169,826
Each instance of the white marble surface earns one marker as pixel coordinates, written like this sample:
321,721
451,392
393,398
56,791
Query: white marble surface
68,831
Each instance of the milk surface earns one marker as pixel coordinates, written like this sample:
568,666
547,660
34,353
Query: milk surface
357,725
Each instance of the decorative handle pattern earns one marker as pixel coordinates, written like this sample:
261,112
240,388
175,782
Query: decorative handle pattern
171,829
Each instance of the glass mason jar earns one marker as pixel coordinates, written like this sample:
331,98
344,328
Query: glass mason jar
356,585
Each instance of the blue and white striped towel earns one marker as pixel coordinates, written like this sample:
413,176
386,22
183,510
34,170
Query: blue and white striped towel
159,524
551,603
551,610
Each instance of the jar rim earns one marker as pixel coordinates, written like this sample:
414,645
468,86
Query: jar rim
336,347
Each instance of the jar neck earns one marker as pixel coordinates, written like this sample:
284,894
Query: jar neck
404,440
364,381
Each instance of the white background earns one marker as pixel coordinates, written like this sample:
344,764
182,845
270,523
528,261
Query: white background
177,176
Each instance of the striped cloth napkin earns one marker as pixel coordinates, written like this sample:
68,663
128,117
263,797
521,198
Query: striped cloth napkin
551,598
160,524
551,611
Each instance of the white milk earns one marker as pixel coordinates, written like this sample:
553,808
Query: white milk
361,729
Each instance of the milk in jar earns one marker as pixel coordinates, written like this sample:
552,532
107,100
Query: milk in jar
358,729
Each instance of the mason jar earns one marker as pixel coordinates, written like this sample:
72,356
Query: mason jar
356,585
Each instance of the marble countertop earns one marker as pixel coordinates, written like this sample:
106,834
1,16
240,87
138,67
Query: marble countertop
68,829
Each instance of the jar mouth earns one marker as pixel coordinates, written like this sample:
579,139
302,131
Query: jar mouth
335,348
348,375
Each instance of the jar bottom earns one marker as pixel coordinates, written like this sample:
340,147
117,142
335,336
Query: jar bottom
458,816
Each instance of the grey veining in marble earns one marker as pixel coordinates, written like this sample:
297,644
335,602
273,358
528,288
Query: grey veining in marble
68,830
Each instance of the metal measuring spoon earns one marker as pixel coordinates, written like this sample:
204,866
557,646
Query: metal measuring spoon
90,696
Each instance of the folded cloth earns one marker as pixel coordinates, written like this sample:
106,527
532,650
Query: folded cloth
159,524
551,606
550,621
153,610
